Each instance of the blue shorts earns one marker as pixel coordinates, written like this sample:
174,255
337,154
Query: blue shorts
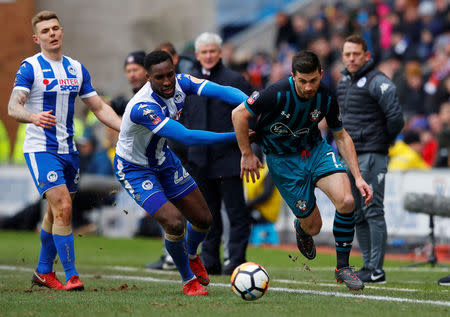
52,169
296,176
152,188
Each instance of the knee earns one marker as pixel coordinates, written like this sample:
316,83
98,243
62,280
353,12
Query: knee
62,214
174,226
346,205
312,228
204,222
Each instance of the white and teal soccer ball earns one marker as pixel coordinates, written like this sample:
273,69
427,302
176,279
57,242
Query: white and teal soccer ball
250,281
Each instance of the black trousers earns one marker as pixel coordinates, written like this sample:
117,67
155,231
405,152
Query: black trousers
229,190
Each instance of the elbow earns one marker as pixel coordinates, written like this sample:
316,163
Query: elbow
12,113
234,115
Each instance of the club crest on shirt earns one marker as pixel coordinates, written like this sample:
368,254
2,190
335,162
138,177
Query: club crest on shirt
315,114
301,204
178,97
361,82
253,97
147,185
71,70
52,176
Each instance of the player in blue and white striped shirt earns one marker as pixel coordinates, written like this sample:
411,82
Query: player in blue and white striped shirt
43,96
153,175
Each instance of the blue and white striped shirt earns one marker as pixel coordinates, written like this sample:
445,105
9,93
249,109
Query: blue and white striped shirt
53,85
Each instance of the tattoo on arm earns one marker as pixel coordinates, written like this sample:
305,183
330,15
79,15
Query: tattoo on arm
16,106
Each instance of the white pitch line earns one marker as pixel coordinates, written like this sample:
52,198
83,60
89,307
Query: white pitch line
372,297
135,269
273,289
300,267
336,285
15,268
300,291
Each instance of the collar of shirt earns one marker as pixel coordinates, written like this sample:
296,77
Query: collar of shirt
206,73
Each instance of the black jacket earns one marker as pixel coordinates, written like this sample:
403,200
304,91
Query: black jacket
370,109
201,113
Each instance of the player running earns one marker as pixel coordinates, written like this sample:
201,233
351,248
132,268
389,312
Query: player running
43,96
299,159
153,175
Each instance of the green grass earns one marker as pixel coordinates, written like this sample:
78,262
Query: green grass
297,288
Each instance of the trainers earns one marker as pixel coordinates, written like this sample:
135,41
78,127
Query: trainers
157,265
445,281
229,268
305,242
364,271
165,263
193,287
48,280
346,275
168,264
74,284
199,270
373,276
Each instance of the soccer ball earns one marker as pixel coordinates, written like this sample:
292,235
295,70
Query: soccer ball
250,281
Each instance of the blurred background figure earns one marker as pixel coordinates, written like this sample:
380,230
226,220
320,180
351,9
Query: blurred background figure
373,128
94,160
406,153
263,201
5,147
136,77
410,90
443,157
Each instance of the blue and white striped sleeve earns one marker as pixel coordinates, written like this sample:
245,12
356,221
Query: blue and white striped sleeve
86,89
24,77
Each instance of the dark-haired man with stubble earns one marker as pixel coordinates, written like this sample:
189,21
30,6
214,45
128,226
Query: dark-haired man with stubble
299,159
373,118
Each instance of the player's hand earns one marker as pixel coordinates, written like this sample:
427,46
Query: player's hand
365,190
252,135
44,119
250,165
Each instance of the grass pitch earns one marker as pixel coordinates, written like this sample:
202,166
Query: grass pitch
117,284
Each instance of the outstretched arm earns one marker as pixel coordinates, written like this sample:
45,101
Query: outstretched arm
17,110
250,163
176,131
226,93
347,149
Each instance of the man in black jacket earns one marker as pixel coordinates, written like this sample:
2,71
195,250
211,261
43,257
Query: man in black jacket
372,116
136,76
216,168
